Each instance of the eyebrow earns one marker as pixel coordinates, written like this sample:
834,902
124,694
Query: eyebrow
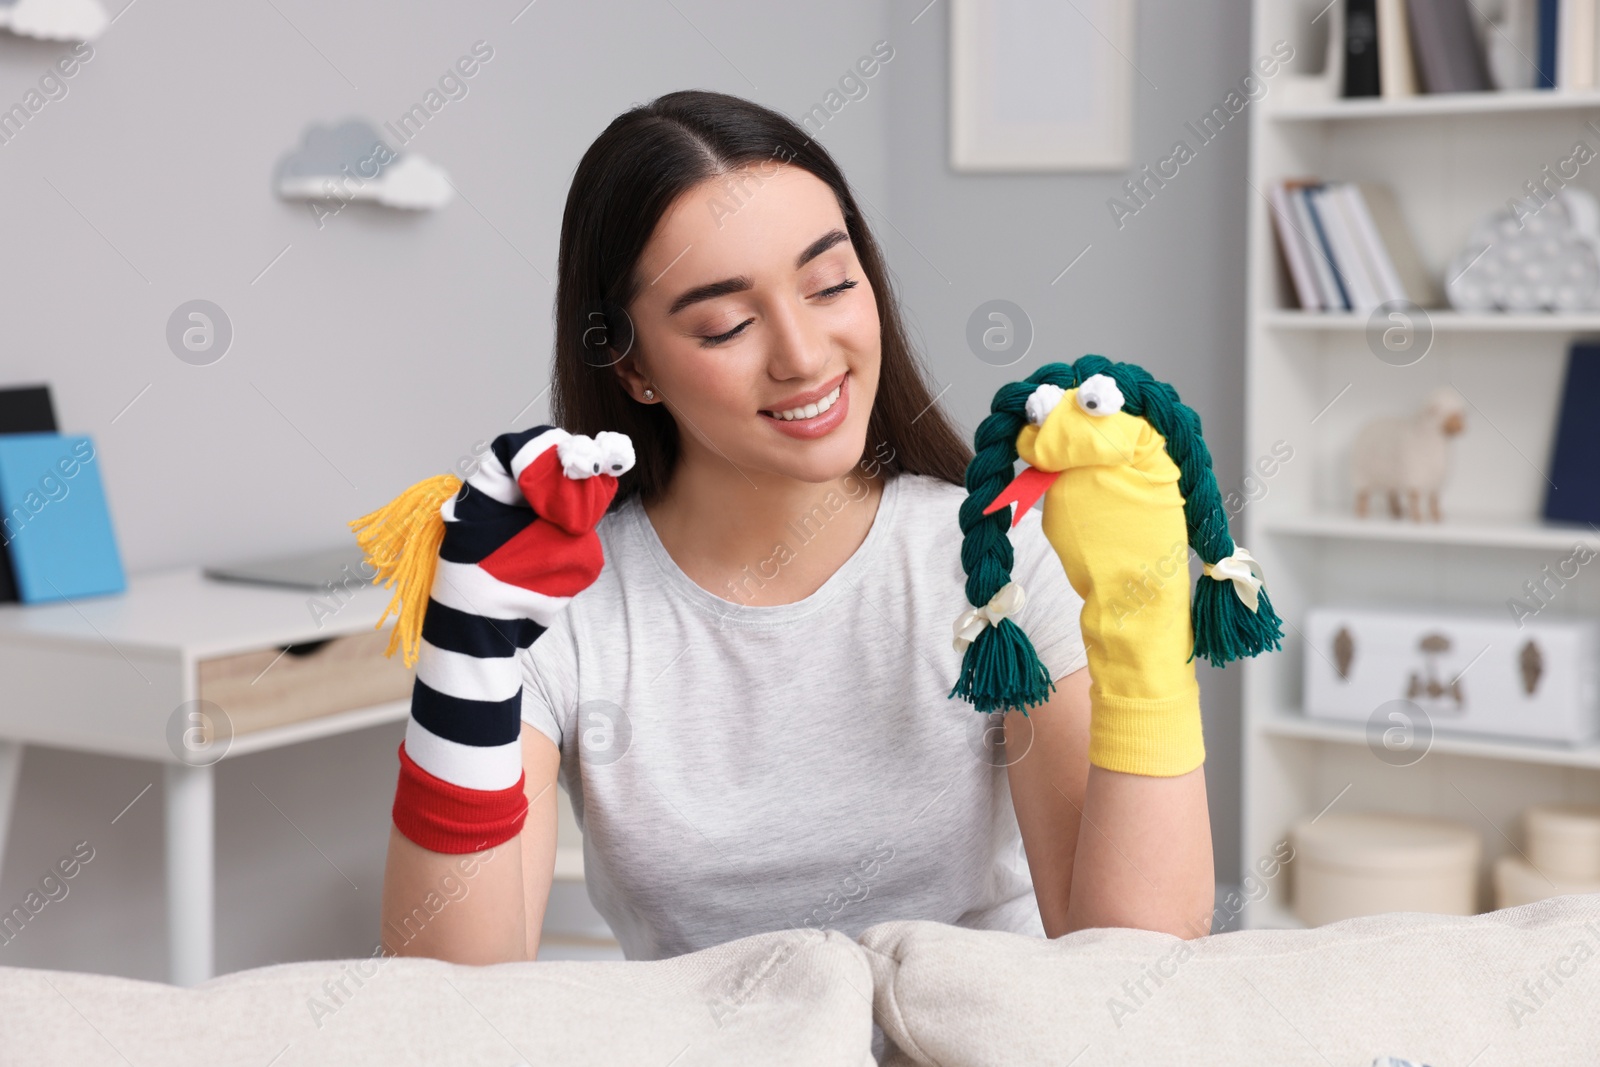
742,282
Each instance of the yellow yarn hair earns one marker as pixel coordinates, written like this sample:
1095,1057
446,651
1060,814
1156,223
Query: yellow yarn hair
401,539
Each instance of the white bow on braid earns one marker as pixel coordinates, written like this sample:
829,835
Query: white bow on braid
1008,601
1243,571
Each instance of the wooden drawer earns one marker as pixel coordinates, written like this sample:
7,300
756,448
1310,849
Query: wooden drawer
307,681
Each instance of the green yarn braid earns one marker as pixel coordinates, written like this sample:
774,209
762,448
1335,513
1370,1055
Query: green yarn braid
1000,669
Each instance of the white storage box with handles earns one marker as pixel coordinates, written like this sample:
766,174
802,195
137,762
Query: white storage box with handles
1468,672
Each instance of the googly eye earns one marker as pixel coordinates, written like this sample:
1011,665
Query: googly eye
1098,395
1042,401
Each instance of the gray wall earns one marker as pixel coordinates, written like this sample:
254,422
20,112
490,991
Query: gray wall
359,356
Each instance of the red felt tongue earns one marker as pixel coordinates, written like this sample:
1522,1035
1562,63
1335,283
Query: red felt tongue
1024,490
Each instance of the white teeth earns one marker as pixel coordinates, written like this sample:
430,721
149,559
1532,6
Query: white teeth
811,411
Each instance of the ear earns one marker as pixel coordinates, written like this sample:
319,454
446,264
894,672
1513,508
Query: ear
632,379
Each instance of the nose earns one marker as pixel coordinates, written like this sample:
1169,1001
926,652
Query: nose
800,347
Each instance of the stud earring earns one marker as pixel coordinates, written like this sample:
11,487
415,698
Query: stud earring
649,394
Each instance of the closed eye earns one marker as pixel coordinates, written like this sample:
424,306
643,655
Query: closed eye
708,342
832,290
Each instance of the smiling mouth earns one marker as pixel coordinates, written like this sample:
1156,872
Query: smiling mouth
808,411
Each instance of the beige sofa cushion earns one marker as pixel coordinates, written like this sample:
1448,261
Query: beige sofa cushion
782,997
1519,986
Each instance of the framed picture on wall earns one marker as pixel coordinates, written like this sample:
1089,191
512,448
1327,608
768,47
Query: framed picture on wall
1041,85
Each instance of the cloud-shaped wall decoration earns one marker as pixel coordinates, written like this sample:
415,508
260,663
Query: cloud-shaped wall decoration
1535,255
54,20
351,162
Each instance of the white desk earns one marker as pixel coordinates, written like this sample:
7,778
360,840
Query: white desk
105,674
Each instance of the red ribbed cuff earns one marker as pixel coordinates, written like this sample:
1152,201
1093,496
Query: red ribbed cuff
444,817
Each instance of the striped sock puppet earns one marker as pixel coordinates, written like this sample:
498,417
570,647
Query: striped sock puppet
483,567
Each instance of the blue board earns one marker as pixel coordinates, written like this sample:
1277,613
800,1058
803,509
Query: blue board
53,518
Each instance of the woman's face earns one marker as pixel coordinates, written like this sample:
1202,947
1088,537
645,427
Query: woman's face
753,303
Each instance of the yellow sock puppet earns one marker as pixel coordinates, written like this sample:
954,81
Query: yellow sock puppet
1128,490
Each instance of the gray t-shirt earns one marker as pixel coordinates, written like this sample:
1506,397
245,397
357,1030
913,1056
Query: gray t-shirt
737,769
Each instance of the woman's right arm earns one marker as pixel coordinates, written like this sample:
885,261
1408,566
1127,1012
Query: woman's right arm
478,907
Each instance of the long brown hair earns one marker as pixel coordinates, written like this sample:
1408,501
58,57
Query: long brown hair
627,179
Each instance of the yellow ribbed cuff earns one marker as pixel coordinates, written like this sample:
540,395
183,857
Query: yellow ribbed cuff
1157,737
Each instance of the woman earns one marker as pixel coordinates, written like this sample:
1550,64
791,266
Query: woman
750,706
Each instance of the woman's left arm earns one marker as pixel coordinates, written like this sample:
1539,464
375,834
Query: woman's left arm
1106,848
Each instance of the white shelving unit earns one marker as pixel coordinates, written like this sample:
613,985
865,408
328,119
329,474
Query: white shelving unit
1312,381
1428,105
1442,320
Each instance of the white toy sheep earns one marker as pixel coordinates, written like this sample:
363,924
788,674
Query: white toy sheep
1409,455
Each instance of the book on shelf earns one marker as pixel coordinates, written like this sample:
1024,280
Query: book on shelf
1335,293
1361,48
1449,54
23,409
1379,264
1346,246
1389,233
1397,71
1572,491
1291,225
1397,48
1575,44
1329,203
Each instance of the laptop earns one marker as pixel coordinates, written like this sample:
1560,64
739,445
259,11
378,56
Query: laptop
305,570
